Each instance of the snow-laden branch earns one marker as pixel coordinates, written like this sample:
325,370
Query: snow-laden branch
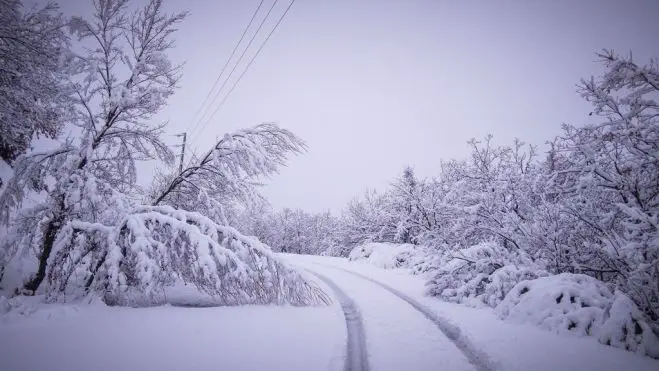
154,246
230,170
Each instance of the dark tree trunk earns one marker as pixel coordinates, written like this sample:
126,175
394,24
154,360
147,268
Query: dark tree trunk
47,247
91,277
2,274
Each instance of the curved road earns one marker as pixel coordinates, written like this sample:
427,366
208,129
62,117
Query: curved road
388,330
356,354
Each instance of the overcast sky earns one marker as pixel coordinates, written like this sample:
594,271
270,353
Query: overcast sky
372,86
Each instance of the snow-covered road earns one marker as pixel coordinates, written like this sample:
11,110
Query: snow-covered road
399,335
379,321
356,358
402,328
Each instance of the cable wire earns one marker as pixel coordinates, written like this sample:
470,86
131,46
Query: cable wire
226,64
246,68
242,55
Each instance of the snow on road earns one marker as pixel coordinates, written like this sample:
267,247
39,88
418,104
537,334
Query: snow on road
508,346
396,335
356,352
479,359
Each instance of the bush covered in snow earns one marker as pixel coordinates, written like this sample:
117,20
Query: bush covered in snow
8,305
481,274
581,305
389,255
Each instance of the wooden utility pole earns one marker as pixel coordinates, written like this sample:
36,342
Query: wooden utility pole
180,165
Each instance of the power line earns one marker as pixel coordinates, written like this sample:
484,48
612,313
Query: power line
242,55
247,68
235,48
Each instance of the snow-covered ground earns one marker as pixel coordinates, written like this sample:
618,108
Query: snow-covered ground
100,338
398,336
507,346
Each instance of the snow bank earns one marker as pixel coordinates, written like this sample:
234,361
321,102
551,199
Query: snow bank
580,305
481,274
13,306
389,255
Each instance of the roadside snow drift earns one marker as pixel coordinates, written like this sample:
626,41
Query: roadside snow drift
388,255
580,305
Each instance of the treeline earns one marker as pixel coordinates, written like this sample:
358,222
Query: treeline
589,205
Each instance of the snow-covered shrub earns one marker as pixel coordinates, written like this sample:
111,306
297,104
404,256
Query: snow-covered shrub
581,305
154,246
626,328
361,252
8,305
336,250
389,255
481,274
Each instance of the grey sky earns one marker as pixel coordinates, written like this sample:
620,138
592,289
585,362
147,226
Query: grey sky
375,85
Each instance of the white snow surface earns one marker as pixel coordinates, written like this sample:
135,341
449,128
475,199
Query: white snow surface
397,336
72,337
166,338
509,346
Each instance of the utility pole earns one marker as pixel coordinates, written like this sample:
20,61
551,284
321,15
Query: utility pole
180,165
181,158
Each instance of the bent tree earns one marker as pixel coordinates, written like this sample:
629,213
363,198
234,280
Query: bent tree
228,174
121,80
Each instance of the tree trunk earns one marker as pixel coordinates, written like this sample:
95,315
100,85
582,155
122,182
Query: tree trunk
91,277
2,274
53,227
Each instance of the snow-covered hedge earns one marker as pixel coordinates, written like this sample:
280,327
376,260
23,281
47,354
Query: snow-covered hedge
156,246
581,305
481,274
389,255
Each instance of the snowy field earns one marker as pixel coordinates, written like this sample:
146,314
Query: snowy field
398,337
100,338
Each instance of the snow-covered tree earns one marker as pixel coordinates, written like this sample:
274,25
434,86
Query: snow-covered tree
405,205
123,79
91,235
153,246
498,183
229,173
444,222
33,91
368,218
608,178
294,231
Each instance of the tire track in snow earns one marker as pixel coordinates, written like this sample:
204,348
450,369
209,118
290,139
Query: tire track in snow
356,355
479,359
